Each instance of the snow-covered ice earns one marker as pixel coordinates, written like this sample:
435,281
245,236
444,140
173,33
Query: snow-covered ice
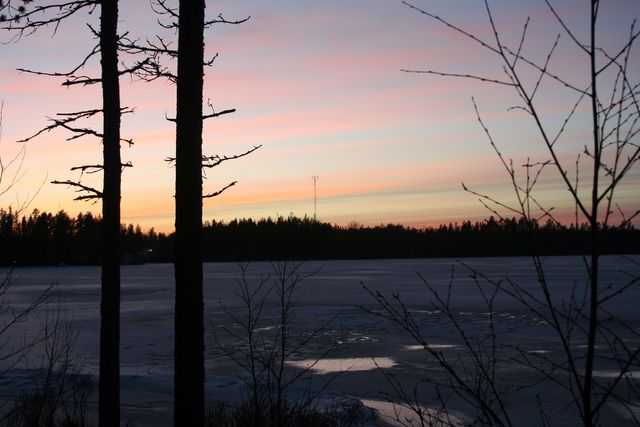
333,295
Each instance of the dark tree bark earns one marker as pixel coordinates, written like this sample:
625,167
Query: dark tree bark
109,406
22,20
189,162
189,306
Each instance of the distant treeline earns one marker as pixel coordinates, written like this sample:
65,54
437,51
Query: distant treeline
43,238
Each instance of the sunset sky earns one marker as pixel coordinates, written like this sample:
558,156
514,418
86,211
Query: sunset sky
318,84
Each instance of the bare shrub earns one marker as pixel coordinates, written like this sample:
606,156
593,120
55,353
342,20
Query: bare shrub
264,347
58,390
589,334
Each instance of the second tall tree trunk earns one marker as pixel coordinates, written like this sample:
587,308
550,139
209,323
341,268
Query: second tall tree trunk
109,388
189,306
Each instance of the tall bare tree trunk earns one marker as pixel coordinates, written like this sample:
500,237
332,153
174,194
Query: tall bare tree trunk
109,404
594,302
189,306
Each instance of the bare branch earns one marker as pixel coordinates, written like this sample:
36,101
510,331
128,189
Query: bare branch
219,113
66,121
543,71
581,45
221,20
70,75
465,76
81,188
215,160
623,51
18,172
546,72
160,7
28,21
453,27
152,48
492,200
89,169
217,193
522,39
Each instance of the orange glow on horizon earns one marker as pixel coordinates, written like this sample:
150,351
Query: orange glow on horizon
320,88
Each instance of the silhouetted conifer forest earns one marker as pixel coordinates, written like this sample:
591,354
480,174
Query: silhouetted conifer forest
43,238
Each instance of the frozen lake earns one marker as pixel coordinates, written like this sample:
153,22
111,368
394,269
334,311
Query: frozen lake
331,294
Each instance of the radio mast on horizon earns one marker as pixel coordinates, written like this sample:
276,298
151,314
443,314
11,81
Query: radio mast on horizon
315,196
